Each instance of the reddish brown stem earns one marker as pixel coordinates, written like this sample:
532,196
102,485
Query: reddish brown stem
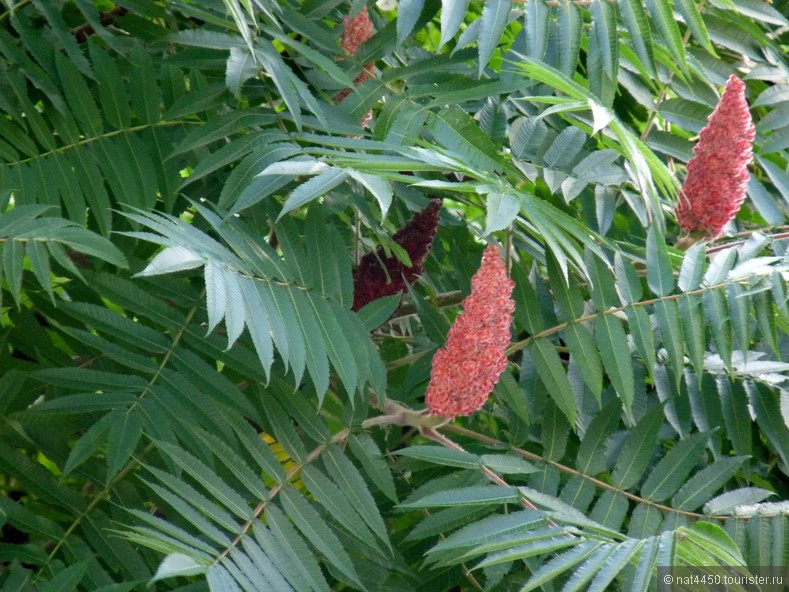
436,436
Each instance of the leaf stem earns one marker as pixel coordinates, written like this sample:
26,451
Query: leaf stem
614,310
461,431
432,434
340,436
665,87
135,460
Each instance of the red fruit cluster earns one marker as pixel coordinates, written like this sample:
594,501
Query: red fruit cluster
356,31
717,177
378,275
468,367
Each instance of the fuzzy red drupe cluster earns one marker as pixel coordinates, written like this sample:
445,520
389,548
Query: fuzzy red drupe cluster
467,368
717,178
356,30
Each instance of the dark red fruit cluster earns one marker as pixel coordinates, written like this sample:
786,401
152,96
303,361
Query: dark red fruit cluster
378,275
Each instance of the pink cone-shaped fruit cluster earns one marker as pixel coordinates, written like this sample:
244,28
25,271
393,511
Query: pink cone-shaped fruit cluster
717,177
468,367
378,275
357,30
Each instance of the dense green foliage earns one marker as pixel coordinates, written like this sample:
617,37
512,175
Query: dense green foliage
186,394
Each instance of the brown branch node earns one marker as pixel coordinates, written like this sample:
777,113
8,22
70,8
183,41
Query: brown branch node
82,32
